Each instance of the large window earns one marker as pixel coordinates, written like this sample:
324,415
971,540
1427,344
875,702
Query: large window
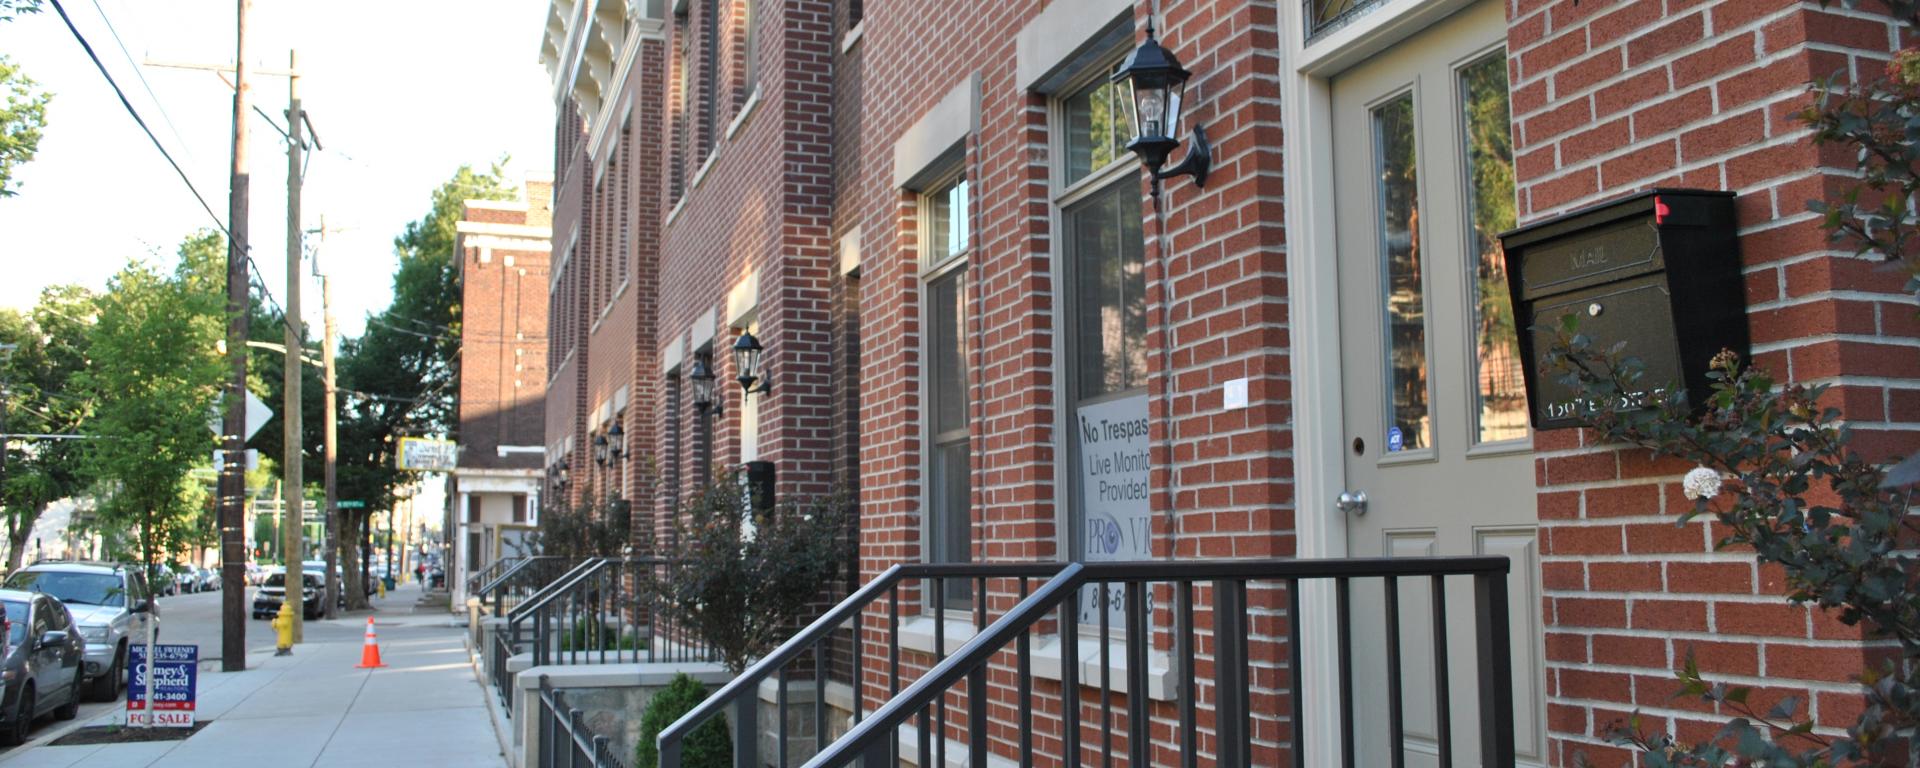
1096,191
945,238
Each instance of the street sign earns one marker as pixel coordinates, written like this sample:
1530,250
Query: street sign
175,672
421,454
257,415
351,504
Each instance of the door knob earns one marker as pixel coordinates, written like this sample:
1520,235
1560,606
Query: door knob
1352,501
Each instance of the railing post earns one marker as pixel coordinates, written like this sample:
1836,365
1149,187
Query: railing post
746,730
1496,672
600,752
1230,672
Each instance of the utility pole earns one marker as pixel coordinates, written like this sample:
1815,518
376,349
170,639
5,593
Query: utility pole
233,481
295,487
332,414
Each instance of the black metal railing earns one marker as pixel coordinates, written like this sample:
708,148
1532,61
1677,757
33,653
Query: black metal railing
1062,605
806,657
520,581
607,613
490,572
565,739
508,640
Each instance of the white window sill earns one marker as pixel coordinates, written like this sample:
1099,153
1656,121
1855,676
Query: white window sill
746,110
853,36
916,634
701,175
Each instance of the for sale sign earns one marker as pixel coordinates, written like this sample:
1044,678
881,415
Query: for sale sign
174,672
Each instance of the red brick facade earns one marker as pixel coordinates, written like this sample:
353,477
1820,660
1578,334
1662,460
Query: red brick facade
762,187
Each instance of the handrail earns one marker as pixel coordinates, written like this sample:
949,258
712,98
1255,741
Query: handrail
555,588
868,737
747,684
521,565
492,569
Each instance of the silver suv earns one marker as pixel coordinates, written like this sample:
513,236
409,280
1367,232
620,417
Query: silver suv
110,605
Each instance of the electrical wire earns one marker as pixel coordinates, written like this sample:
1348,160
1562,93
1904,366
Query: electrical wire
141,73
135,114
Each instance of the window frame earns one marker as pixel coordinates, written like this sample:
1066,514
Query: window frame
1069,528
952,265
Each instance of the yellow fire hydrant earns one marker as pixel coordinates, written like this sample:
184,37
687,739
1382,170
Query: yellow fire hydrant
283,630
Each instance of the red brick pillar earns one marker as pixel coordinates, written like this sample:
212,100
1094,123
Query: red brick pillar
1615,96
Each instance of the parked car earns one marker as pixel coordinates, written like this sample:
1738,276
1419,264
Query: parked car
267,599
42,669
163,582
255,574
109,604
209,579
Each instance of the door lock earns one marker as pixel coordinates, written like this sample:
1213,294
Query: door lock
1354,502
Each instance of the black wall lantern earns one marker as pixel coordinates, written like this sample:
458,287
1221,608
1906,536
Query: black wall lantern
600,450
701,374
617,442
565,477
1154,83
746,358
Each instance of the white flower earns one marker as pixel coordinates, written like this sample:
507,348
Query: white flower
1700,483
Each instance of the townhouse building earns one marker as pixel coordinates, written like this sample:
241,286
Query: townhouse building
502,251
979,313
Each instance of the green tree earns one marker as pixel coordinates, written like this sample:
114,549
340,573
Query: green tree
398,376
42,397
154,382
11,8
23,115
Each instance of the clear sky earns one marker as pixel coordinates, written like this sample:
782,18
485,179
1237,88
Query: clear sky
401,92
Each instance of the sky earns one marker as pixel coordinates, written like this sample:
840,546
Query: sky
401,93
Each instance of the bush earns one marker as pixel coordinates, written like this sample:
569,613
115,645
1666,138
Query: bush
742,582
709,746
589,635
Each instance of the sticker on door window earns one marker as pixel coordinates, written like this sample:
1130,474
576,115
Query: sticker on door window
1403,294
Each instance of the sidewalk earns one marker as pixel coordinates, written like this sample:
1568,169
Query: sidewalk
315,709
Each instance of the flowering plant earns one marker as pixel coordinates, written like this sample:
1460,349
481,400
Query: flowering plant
1775,469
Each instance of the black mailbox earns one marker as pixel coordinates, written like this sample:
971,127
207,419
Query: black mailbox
1659,271
756,488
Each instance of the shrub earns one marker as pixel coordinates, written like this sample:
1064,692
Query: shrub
709,746
743,581
590,635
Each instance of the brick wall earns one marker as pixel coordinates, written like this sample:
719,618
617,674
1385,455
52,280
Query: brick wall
1611,97
503,345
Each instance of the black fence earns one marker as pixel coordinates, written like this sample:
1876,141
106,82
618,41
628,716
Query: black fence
1151,605
519,581
565,739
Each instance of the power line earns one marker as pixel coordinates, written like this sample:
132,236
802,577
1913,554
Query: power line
135,114
141,73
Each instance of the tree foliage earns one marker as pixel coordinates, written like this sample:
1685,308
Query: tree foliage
43,397
399,374
154,383
23,116
741,586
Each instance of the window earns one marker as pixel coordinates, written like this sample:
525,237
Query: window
752,12
1500,411
1397,199
1103,327
945,238
709,73
856,11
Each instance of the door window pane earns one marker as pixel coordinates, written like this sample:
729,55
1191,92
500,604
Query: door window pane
949,491
1095,129
1500,398
1408,418
1109,291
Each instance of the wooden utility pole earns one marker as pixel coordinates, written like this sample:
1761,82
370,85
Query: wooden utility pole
331,419
294,498
233,481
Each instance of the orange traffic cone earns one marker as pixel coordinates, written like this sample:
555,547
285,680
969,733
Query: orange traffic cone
370,653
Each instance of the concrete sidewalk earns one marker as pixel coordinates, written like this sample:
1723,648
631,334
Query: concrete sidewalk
316,709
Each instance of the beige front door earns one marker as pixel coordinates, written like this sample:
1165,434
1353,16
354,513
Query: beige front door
1434,410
